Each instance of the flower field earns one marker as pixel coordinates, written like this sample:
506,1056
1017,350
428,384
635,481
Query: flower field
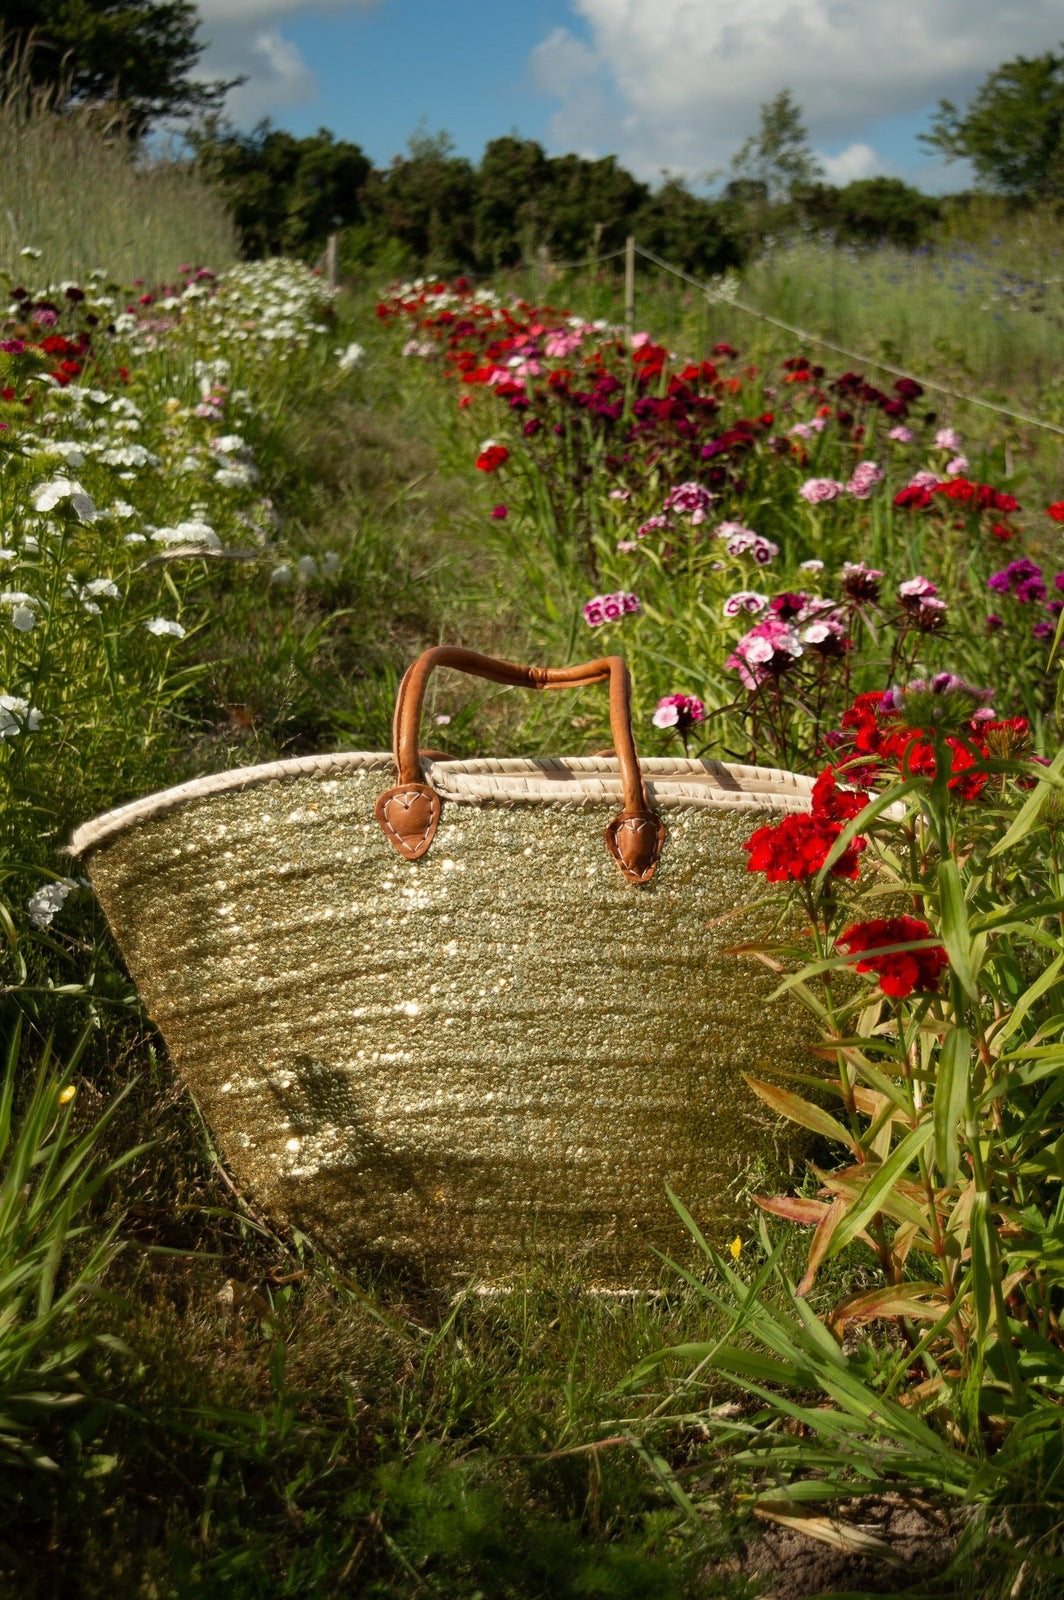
233,509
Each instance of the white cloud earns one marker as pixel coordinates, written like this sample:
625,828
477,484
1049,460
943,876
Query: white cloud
678,83
856,161
243,39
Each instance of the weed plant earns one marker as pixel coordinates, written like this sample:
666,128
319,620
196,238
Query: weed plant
80,195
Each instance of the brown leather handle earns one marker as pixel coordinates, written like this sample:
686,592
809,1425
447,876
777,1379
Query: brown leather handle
409,813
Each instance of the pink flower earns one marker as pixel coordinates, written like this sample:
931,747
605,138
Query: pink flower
745,600
902,435
653,524
12,347
923,480
639,340
948,439
745,542
679,711
958,466
767,651
691,500
917,588
866,474
44,317
610,607
816,490
500,513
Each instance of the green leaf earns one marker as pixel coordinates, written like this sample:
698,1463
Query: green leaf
956,935
1026,816
951,1096
878,1186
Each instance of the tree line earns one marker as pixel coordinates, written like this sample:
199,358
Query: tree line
434,207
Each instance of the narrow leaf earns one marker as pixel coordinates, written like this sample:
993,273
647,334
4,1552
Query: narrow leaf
795,1109
951,1096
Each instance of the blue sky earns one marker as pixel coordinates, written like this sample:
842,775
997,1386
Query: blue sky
661,83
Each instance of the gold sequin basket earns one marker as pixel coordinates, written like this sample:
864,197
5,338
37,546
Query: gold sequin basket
436,1023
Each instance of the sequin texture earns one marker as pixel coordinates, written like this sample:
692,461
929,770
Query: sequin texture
453,1063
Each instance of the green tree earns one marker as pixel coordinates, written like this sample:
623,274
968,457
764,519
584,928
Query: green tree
511,206
425,200
1012,131
137,55
872,209
691,232
286,194
778,154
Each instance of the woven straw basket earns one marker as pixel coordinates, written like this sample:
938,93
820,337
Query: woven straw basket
438,1024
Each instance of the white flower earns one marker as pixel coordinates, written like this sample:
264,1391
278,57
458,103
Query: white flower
307,567
229,444
128,455
97,587
160,626
49,495
329,563
135,538
48,899
235,476
7,555
23,618
282,574
350,357
73,455
812,566
195,532
30,253
16,716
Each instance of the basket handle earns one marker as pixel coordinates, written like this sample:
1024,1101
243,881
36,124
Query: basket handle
409,813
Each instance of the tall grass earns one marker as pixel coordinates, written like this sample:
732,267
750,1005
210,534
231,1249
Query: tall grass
76,189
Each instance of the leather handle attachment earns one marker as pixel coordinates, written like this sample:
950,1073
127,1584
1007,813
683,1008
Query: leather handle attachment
409,813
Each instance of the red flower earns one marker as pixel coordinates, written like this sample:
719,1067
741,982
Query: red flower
492,457
1056,511
903,971
797,848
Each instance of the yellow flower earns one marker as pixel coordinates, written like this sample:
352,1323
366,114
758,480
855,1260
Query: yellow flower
67,1094
735,1246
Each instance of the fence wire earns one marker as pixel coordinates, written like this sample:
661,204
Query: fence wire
851,355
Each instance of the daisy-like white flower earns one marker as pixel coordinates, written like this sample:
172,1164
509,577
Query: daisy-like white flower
162,627
17,716
47,496
47,900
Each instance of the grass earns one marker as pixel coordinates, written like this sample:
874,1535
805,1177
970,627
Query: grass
80,196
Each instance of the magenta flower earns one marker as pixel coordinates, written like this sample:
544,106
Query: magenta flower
655,524
500,513
679,711
768,651
610,607
690,500
816,490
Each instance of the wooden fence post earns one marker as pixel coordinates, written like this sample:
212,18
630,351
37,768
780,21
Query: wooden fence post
330,259
629,288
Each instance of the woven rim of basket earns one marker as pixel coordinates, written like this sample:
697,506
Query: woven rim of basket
672,783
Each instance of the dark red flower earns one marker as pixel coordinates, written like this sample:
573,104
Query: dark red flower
903,971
